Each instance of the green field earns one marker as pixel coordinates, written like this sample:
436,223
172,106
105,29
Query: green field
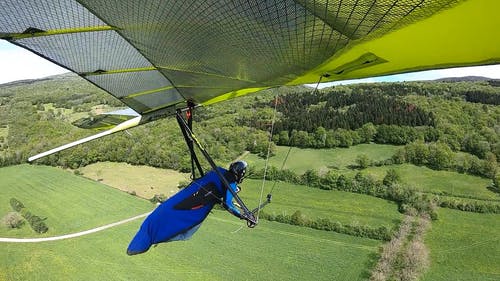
429,180
223,249
345,207
4,132
218,251
464,246
72,115
301,160
69,203
288,198
144,181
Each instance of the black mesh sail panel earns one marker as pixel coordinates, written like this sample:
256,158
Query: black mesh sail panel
155,54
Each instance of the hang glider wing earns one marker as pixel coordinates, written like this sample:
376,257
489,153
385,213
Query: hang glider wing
153,55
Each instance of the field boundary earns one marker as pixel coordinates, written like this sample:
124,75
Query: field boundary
298,235
72,235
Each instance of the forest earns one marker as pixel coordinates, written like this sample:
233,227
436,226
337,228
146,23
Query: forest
442,125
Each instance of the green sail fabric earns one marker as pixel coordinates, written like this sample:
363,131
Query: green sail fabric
154,55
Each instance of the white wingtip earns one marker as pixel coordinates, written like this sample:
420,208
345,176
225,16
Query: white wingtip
120,127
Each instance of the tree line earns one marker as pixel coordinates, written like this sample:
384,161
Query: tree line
342,109
391,113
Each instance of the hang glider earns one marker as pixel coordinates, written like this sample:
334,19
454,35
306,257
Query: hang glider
154,55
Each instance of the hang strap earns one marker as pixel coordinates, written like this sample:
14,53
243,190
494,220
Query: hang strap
189,141
247,214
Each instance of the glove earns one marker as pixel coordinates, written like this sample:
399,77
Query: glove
251,224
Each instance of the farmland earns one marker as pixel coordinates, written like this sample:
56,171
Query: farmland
304,253
336,175
144,181
299,160
345,207
448,182
464,246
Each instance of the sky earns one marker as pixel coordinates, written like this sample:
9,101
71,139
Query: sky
17,64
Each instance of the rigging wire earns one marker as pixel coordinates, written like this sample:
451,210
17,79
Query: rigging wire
282,167
267,156
269,148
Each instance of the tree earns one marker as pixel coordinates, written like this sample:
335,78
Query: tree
343,137
13,220
440,156
496,182
330,140
343,183
391,177
328,181
301,139
311,178
367,132
319,137
474,144
298,218
417,153
363,161
489,167
283,139
399,156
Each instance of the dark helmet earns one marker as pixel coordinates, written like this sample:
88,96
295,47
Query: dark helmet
239,169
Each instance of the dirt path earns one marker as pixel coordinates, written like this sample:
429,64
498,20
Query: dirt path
72,235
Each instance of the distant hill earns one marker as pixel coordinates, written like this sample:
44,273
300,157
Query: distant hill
32,81
466,79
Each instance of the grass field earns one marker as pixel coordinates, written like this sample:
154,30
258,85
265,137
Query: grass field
69,203
221,250
144,181
4,132
288,198
464,246
426,179
72,115
322,160
218,251
345,207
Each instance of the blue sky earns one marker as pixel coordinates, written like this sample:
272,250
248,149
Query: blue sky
17,64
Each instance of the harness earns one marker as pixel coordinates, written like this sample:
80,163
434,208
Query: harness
191,141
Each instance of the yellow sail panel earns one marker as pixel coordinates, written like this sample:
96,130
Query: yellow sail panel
462,36
156,55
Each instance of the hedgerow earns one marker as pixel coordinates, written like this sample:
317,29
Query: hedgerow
37,223
297,218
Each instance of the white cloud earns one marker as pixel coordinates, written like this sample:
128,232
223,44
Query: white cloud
18,63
